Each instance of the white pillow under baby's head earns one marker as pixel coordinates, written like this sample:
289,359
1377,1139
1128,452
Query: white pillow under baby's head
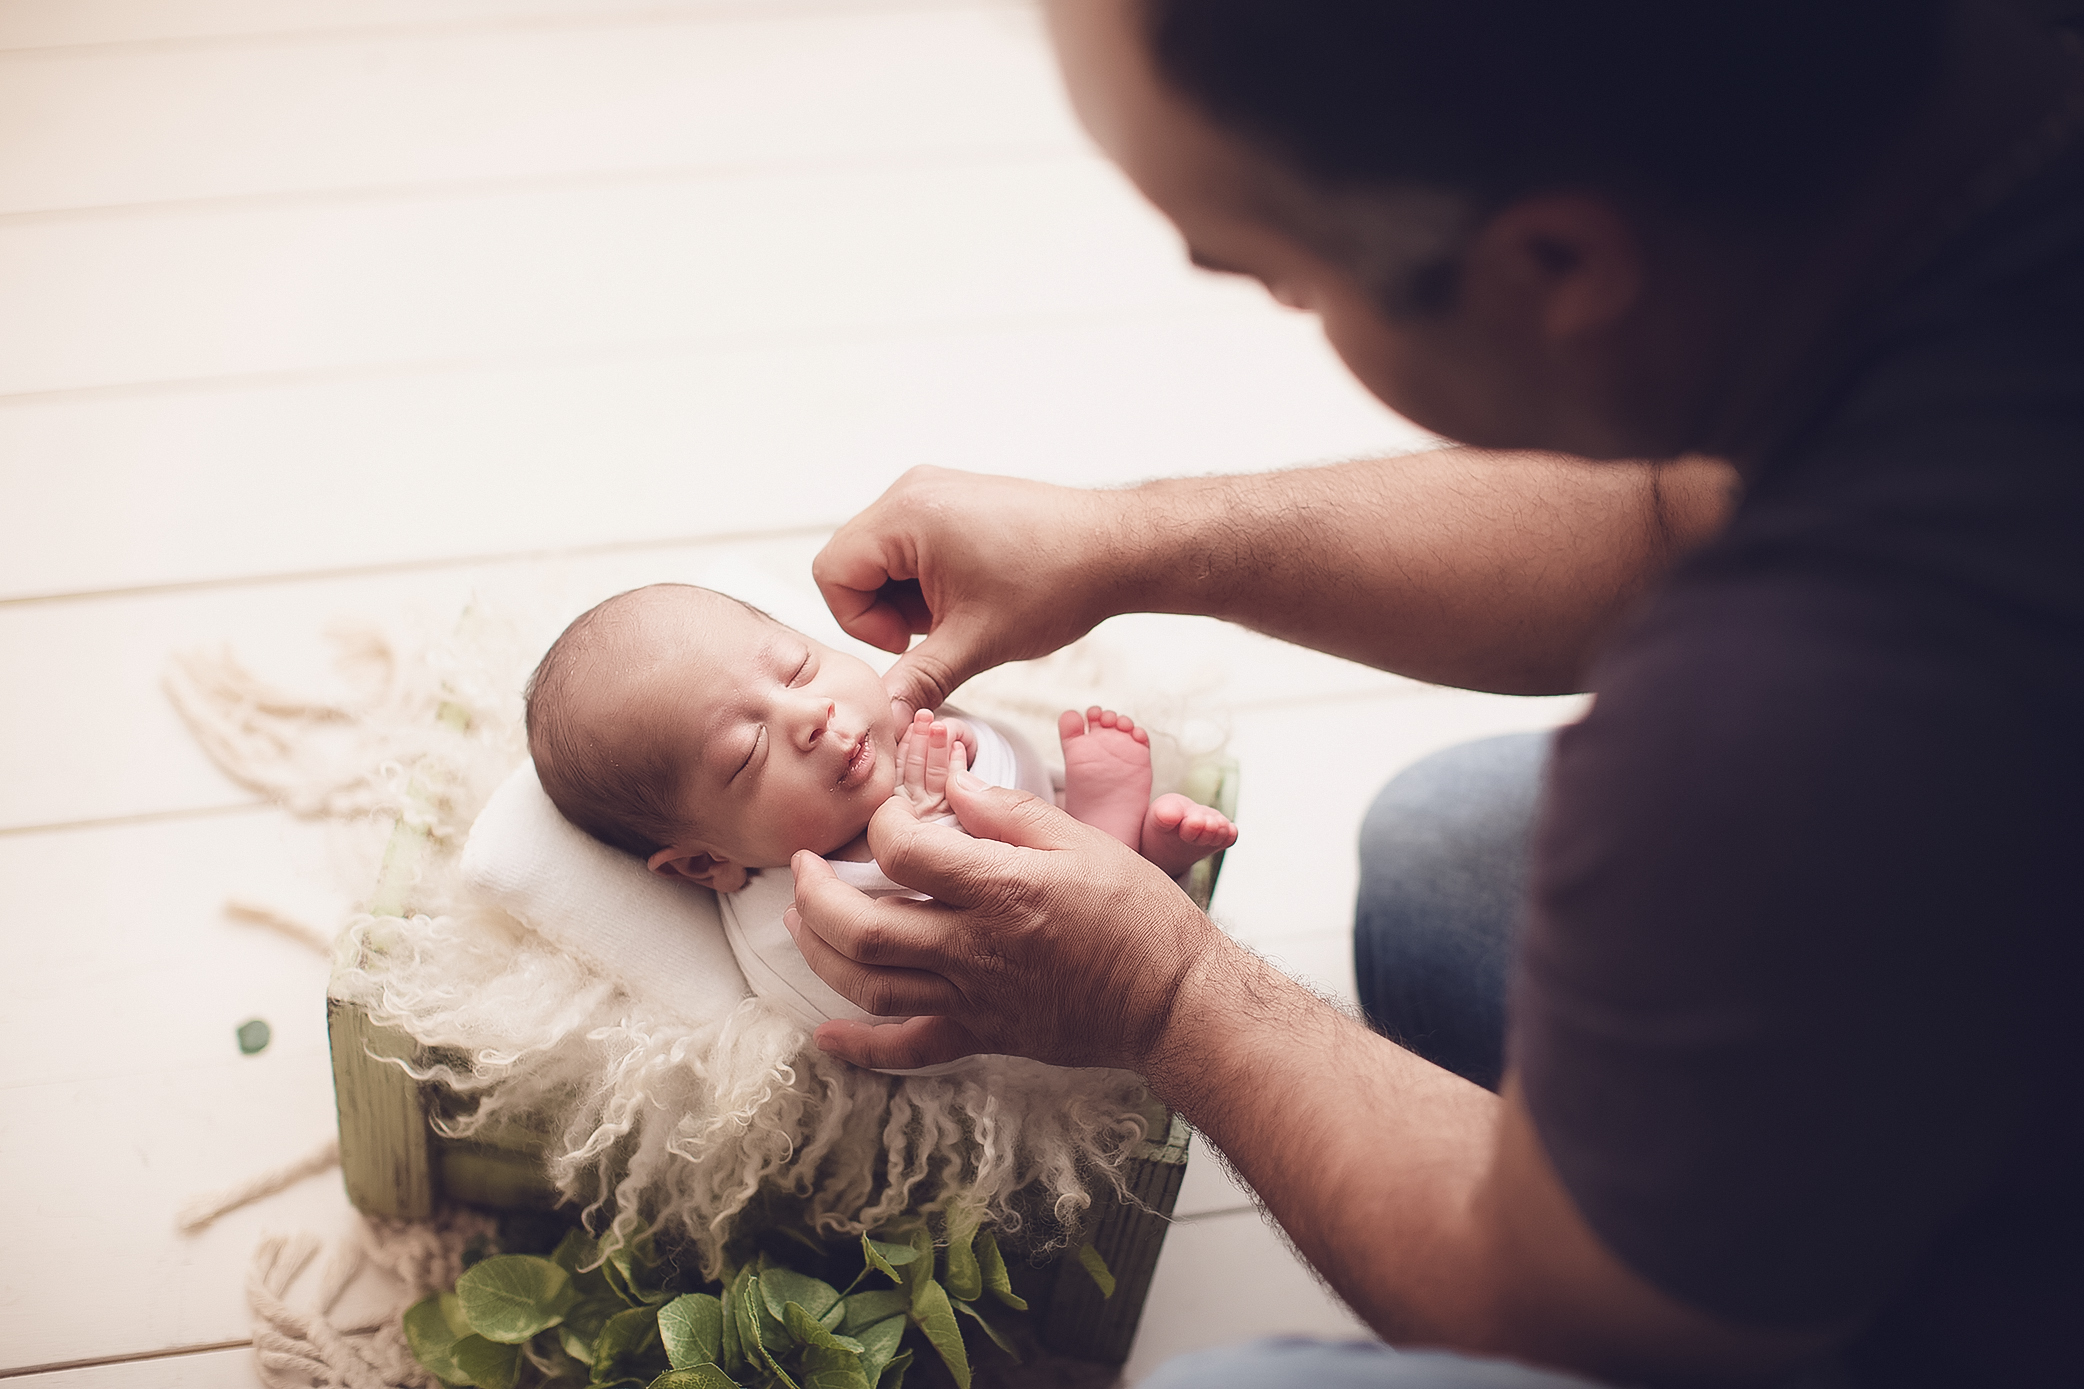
665,939
660,939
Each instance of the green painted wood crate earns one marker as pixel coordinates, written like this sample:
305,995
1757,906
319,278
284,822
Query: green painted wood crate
396,1164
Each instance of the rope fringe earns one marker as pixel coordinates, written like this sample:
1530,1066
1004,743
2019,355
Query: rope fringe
203,1211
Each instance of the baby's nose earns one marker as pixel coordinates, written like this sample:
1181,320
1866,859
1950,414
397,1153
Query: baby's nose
813,719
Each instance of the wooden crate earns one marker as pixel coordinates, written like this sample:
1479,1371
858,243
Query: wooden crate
395,1163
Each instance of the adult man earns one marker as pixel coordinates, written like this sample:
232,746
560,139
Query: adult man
1789,1080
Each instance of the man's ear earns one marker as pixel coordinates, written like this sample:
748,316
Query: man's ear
699,866
1573,258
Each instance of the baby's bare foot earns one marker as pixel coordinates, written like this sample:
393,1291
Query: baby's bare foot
1107,772
1178,833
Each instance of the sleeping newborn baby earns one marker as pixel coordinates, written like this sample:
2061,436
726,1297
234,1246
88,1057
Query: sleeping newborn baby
698,733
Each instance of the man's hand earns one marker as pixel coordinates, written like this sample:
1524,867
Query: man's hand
991,569
1045,938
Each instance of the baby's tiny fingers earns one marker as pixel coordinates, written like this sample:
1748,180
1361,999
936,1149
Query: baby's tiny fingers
937,754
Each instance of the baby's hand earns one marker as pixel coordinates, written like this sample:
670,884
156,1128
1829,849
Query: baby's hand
929,754
960,732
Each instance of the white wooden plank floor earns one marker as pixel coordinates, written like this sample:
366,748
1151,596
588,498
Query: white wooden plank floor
370,309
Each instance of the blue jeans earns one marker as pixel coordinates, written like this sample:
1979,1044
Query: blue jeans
1282,1363
1443,865
1443,870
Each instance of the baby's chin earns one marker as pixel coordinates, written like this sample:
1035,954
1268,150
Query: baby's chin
882,783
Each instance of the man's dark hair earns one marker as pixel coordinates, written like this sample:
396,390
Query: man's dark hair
1754,109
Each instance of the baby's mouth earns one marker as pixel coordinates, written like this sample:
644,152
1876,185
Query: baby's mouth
860,763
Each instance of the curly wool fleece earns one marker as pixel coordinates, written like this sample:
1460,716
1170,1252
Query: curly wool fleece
654,1121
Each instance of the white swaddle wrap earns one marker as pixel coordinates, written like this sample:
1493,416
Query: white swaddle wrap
766,954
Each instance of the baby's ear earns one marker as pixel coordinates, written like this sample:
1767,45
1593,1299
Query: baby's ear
716,874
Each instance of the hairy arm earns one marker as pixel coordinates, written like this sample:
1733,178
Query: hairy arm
1426,1201
1485,570
1488,571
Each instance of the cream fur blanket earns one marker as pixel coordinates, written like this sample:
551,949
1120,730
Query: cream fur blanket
688,1118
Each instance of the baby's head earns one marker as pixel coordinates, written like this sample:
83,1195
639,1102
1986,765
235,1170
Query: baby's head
700,734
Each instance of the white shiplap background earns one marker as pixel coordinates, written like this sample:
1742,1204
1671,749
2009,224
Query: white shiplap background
314,309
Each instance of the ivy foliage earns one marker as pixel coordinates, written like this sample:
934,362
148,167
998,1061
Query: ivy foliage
588,1318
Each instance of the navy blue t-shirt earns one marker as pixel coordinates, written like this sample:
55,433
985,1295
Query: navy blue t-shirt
1800,1011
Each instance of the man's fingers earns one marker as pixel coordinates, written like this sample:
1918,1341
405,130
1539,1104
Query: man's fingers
871,588
898,1046
884,991
926,675
959,869
875,619
887,932
1009,816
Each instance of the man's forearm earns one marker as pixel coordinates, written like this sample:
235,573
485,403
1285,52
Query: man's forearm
1368,1155
1426,1201
1489,571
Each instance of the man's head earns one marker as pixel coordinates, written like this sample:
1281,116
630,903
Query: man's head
697,732
1521,221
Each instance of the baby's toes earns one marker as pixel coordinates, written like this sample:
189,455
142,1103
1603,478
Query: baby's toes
1210,828
1070,724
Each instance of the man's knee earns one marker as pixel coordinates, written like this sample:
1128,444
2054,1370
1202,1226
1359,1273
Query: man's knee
1443,871
1454,818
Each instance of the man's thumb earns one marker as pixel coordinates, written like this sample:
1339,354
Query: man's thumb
926,675
1009,816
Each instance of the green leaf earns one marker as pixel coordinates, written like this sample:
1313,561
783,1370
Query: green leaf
893,1377
633,1269
692,1328
734,1358
919,1272
832,1367
694,1377
997,1281
936,1318
488,1364
558,1368
781,1286
580,1255
807,1331
879,1345
452,1313
510,1297
774,1335
748,1309
866,1309
834,1315
433,1341
575,1251
885,1258
1090,1258
629,1348
827,1364
998,1340
584,1322
964,1279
